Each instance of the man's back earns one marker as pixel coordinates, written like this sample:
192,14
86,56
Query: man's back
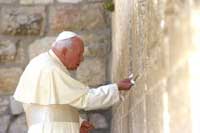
46,81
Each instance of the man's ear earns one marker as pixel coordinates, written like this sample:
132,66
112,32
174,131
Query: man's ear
64,52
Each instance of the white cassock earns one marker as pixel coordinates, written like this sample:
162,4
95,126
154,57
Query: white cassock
51,98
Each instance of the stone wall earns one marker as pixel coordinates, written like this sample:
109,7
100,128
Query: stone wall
151,38
28,27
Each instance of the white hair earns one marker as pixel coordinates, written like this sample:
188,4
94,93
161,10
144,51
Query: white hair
62,44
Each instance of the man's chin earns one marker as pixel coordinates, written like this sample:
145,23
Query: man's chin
73,68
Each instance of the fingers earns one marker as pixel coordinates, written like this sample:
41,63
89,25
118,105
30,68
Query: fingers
125,84
87,124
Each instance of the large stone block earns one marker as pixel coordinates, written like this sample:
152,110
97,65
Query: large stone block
117,126
4,105
96,50
137,92
177,30
18,125
92,72
179,100
7,50
69,1
125,124
156,67
9,79
96,0
15,107
137,120
76,17
154,23
28,2
39,46
155,109
23,20
97,44
121,40
98,120
138,39
21,57
7,1
102,36
4,123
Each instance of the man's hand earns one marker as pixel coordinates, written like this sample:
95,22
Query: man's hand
86,126
124,84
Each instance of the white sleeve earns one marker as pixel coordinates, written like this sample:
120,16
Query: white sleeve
98,98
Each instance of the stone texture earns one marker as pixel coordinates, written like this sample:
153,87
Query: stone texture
23,20
7,50
139,39
97,44
9,79
21,57
69,1
4,105
15,107
179,106
40,45
98,120
120,48
96,0
156,65
137,120
18,125
76,17
4,122
7,1
92,72
177,31
101,36
28,2
96,50
154,110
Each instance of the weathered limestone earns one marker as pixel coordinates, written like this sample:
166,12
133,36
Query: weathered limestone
75,17
92,72
155,109
7,1
39,46
179,100
28,2
98,120
151,38
9,78
69,1
4,102
97,44
96,50
4,123
136,121
15,107
7,50
23,20
18,125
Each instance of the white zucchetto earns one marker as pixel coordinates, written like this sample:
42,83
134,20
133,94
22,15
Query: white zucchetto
65,35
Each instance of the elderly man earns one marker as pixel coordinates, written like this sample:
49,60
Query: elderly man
51,97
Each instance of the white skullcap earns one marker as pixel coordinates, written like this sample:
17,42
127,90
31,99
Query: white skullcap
65,35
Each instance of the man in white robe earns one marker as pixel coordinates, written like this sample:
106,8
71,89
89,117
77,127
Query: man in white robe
51,97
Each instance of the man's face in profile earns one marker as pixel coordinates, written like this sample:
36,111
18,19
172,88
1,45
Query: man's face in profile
74,55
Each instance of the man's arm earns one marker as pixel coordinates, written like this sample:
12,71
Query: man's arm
101,97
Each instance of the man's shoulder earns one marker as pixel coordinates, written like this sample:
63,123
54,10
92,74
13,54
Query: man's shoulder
41,62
